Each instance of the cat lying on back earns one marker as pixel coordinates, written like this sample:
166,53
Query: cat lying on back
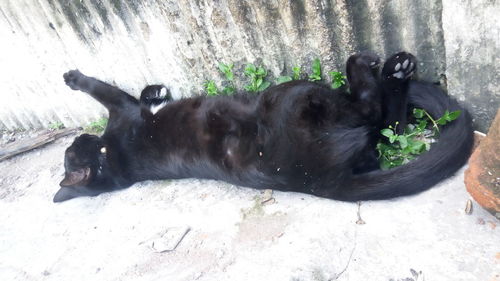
297,136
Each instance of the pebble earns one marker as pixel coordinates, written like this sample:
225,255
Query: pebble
468,207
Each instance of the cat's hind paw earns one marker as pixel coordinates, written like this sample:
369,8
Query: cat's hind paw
400,66
71,79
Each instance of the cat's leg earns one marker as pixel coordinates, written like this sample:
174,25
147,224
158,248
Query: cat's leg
366,95
155,97
396,73
362,74
109,96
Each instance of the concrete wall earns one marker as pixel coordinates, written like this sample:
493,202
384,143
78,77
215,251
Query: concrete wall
472,42
179,43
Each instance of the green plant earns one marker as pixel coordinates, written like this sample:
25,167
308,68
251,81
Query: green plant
414,140
443,120
296,72
257,76
211,88
227,70
97,127
56,125
316,71
338,79
295,76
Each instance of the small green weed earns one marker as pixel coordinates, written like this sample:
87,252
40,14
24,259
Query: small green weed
413,141
58,125
227,70
283,79
338,79
211,88
97,127
257,76
316,71
296,72
295,76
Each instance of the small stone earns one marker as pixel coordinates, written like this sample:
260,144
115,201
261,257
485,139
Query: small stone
468,207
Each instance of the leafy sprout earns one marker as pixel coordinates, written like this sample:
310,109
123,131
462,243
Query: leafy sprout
415,139
316,71
211,88
295,76
97,127
257,76
338,79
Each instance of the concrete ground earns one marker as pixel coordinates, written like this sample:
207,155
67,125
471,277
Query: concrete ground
232,235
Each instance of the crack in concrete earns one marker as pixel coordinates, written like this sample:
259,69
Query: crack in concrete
358,222
337,276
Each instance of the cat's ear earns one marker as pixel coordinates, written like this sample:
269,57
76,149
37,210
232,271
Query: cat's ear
73,185
79,177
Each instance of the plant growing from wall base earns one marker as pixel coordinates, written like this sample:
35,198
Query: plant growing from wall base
338,79
211,88
97,127
316,71
56,125
227,70
257,76
295,76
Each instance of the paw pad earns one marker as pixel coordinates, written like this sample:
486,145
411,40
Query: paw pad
400,66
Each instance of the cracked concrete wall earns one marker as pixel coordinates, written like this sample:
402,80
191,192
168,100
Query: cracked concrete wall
179,43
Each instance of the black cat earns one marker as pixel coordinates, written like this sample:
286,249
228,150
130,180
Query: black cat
298,136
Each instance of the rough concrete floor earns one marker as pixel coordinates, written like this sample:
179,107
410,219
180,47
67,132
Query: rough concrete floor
232,236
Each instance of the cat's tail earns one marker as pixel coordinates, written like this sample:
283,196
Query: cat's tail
444,158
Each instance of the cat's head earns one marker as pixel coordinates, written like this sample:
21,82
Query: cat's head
84,164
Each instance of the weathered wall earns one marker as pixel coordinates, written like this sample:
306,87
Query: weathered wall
472,41
133,43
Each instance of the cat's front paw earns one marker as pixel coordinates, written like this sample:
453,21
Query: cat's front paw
400,66
72,78
155,97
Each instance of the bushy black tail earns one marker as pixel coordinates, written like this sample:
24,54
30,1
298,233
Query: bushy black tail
444,158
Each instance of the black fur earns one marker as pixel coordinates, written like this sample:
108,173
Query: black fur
298,136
